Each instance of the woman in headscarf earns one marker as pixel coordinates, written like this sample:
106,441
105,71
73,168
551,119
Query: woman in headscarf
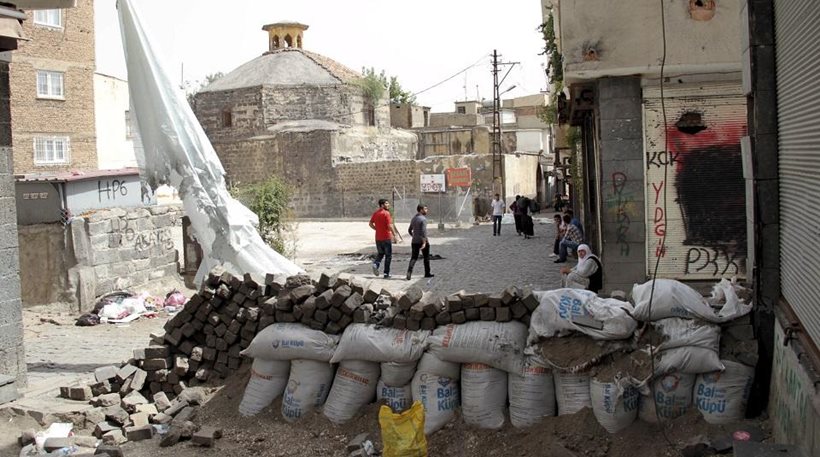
588,274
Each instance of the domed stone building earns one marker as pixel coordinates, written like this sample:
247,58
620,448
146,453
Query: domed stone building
299,115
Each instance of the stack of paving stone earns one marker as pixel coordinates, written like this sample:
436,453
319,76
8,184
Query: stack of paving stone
208,334
417,310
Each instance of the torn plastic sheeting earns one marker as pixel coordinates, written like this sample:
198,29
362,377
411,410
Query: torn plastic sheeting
176,151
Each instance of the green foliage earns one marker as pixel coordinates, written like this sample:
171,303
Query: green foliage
555,70
373,85
269,201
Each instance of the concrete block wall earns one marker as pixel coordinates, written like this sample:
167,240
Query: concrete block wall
125,248
12,355
622,181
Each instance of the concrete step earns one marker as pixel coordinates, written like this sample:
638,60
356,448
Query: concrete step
8,390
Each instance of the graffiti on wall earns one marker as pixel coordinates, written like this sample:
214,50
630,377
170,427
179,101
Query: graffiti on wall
621,204
696,214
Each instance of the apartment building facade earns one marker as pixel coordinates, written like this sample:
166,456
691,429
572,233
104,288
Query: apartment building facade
52,92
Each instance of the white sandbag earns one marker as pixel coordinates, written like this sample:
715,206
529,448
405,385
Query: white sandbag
672,397
268,381
721,397
532,395
380,344
571,392
558,309
308,386
397,374
498,344
483,395
431,364
615,407
672,298
689,346
290,342
439,395
397,398
353,387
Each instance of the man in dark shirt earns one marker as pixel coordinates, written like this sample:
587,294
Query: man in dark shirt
418,229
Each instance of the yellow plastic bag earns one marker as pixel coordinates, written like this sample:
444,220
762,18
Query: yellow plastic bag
403,433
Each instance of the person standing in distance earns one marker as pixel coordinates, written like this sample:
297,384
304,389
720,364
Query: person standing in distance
418,230
498,212
382,223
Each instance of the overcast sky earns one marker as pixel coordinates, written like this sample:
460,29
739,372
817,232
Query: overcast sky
422,41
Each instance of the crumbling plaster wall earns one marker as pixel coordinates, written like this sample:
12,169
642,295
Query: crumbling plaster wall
622,49
367,144
44,262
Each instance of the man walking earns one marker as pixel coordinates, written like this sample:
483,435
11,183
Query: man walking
382,223
418,230
498,214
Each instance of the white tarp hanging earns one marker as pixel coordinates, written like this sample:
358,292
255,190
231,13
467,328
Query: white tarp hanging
176,151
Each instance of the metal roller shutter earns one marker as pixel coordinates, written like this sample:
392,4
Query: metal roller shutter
797,36
705,214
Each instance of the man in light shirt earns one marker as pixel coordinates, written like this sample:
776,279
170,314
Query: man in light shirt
498,212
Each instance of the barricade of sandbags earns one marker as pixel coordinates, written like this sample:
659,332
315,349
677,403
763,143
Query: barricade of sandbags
721,396
499,345
531,393
353,387
436,385
671,298
483,395
378,344
268,380
308,386
573,310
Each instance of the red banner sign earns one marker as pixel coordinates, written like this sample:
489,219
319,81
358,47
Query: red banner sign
459,177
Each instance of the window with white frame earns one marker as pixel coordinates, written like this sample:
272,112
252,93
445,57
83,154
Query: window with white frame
49,18
50,84
51,150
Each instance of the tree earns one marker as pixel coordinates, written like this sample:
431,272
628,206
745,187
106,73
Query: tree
269,201
555,70
373,81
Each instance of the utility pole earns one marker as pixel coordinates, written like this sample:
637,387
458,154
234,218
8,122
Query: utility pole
498,157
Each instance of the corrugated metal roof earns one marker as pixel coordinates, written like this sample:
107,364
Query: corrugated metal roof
69,176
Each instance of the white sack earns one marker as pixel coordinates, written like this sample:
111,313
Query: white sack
292,341
397,398
268,381
308,386
689,346
572,392
483,395
439,395
672,298
615,407
557,308
172,148
721,397
397,374
532,395
498,344
672,397
431,364
380,344
353,387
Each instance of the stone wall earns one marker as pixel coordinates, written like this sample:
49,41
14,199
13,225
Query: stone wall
622,183
12,355
117,249
69,50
